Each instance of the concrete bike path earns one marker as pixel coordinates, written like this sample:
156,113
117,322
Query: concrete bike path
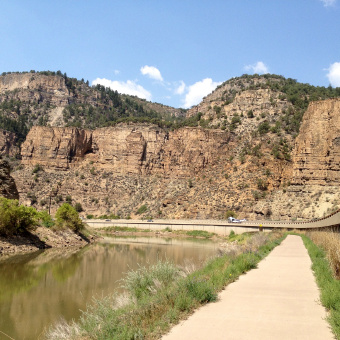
278,300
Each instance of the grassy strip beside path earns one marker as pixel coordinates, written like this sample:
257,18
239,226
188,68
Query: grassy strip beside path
160,296
329,286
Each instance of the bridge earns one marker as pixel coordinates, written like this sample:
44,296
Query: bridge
221,227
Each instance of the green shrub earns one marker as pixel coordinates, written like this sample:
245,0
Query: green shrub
46,219
142,209
262,185
200,233
230,213
15,218
264,128
200,289
36,169
144,281
78,207
67,217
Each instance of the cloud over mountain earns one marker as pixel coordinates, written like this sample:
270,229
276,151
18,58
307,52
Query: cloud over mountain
333,74
129,87
152,72
259,68
199,90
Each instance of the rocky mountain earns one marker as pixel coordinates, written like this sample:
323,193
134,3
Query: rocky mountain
260,146
52,98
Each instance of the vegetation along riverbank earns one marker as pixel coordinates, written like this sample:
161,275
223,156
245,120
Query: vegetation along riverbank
24,229
159,296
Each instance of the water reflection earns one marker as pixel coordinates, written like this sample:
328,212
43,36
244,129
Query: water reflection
39,288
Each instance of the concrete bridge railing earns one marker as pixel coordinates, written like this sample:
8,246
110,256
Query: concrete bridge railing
218,226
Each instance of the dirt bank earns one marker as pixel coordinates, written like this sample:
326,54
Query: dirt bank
42,238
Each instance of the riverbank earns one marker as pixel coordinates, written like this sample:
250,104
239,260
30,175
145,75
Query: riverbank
160,296
42,238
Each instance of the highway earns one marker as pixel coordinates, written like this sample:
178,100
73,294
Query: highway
217,226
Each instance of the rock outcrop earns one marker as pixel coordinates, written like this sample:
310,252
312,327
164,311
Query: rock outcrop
55,147
8,188
316,155
8,143
126,149
34,87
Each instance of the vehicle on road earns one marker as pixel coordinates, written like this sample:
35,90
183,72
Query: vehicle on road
150,220
235,220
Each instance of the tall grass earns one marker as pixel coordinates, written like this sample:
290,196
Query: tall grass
330,242
328,284
161,295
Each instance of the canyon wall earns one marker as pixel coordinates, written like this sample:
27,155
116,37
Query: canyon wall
316,154
185,173
123,149
55,147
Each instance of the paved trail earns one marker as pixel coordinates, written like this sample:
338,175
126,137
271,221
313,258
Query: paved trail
278,300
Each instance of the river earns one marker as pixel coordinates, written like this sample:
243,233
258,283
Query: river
38,289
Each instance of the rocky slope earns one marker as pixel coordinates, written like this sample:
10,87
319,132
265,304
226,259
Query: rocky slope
49,98
8,144
189,172
244,152
8,187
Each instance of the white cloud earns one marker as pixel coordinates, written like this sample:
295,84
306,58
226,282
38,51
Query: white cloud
129,87
328,3
259,68
181,88
152,72
199,90
116,72
333,74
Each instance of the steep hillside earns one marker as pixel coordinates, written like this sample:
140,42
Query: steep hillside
49,98
250,147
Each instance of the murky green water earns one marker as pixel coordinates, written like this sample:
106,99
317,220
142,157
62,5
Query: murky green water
36,290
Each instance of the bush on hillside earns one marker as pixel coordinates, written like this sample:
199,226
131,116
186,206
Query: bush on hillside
15,218
46,219
230,213
67,217
142,209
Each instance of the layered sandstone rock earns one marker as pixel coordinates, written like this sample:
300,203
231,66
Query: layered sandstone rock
124,149
316,155
55,147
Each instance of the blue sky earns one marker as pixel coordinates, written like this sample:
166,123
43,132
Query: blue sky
172,51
